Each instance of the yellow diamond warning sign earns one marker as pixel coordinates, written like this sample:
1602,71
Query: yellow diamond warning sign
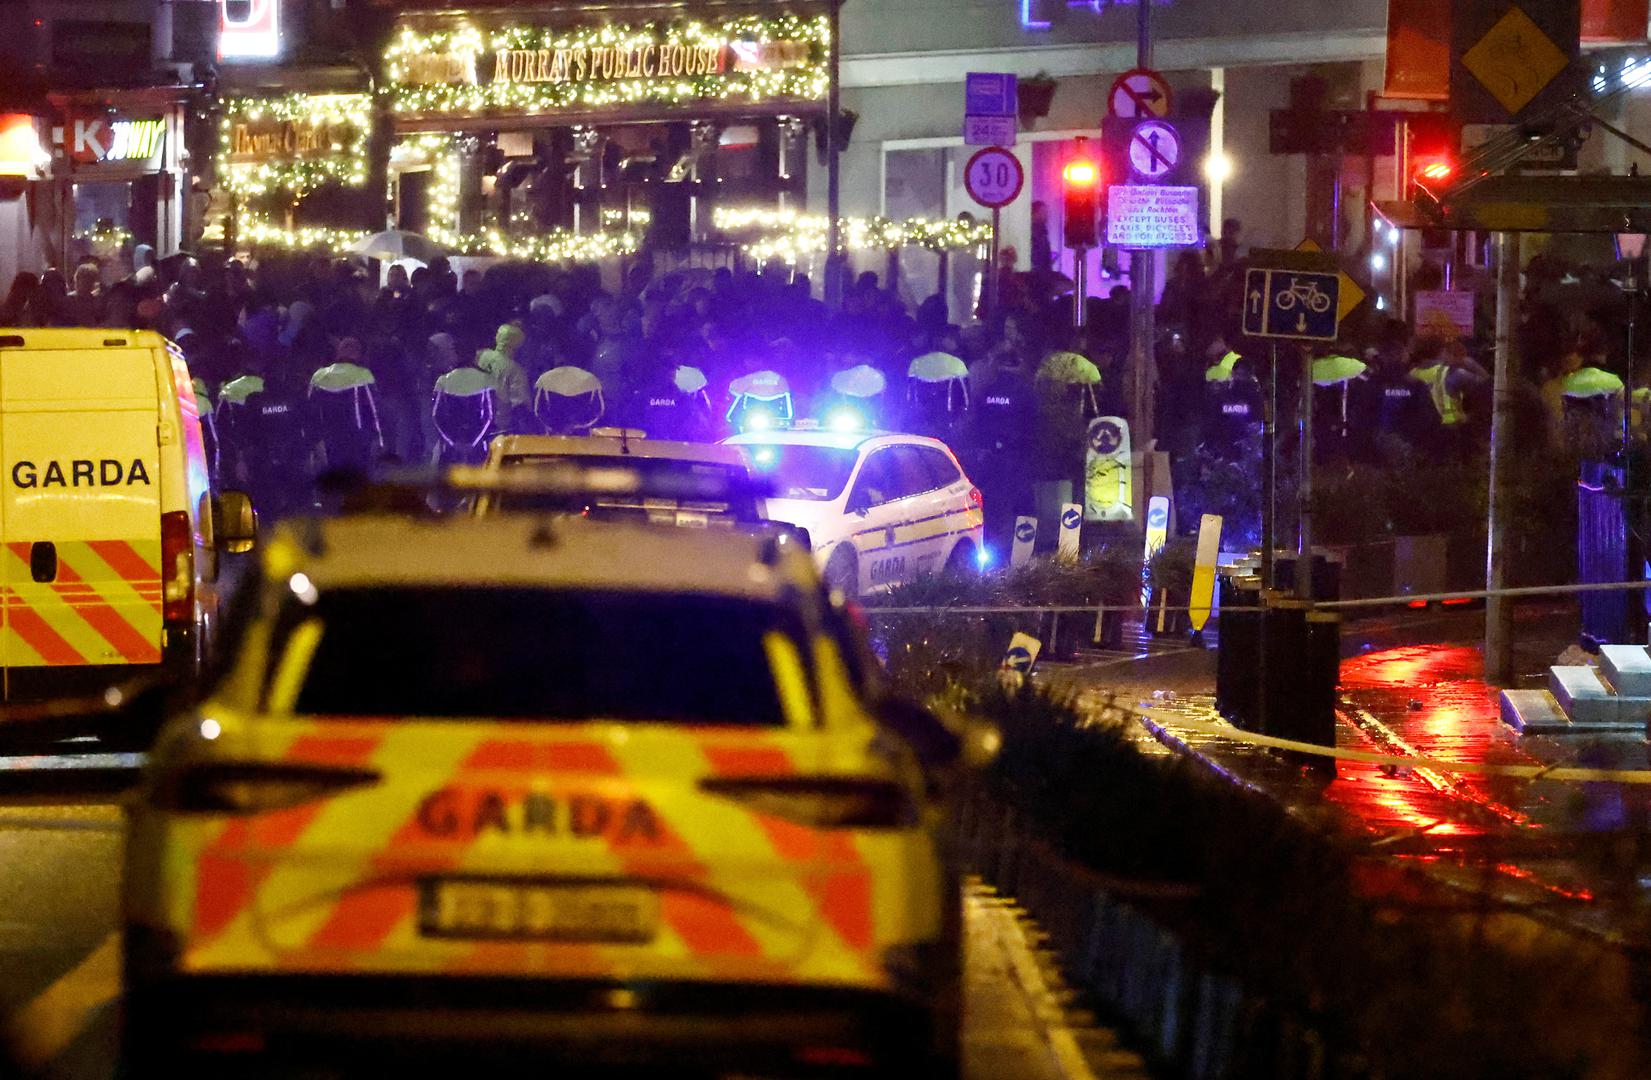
1515,60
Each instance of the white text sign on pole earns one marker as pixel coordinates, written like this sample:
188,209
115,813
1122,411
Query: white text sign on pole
1142,216
990,131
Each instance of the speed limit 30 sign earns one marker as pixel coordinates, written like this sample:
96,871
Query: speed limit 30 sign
994,177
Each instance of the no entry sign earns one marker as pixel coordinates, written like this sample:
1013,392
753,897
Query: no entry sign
994,177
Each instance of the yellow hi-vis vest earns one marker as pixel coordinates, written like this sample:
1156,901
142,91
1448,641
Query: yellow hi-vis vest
1449,405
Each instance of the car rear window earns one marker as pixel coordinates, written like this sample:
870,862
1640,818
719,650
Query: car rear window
540,655
818,473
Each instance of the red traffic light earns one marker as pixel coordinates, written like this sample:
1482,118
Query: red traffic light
1081,174
1436,170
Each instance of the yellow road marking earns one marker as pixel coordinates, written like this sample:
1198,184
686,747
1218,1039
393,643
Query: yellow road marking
46,1026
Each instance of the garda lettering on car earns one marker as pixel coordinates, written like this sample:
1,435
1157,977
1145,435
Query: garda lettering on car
453,813
79,472
888,571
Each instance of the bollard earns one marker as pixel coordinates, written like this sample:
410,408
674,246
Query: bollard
1283,646
1238,652
1320,682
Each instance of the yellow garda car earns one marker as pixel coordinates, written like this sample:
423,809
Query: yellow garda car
587,790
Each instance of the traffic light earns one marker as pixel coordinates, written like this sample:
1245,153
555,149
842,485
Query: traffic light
1081,186
1435,145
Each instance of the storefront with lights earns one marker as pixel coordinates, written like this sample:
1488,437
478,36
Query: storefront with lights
560,133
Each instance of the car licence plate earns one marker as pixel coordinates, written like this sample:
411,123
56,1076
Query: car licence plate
473,908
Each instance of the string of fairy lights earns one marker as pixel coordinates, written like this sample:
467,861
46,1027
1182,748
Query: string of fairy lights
276,150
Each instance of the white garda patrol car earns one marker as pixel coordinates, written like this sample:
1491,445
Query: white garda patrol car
880,508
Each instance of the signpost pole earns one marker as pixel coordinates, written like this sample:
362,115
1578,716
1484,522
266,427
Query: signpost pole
991,287
834,207
1080,287
1304,497
1498,611
1142,287
1269,470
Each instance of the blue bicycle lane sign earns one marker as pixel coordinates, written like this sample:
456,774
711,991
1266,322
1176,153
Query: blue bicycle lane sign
1294,304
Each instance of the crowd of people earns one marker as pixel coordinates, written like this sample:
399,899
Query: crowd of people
314,363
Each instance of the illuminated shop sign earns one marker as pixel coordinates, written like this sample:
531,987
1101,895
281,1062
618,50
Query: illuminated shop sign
531,68
91,137
249,29
294,143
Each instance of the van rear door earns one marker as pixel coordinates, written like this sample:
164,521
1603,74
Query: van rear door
80,518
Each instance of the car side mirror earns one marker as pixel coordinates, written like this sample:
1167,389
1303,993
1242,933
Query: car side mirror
235,522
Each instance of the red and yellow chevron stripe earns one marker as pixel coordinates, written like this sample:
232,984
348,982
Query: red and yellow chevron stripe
333,885
103,608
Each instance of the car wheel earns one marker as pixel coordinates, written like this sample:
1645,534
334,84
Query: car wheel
842,572
962,560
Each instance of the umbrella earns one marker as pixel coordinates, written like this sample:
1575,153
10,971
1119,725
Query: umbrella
1069,368
337,378
861,381
568,381
1331,370
689,379
465,382
237,390
762,385
1590,382
1223,371
393,244
937,367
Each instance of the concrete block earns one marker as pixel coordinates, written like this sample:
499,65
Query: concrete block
1581,694
1533,712
1628,667
1537,712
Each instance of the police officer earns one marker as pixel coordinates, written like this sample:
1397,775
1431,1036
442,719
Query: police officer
675,405
1388,404
998,442
1232,407
1445,369
265,442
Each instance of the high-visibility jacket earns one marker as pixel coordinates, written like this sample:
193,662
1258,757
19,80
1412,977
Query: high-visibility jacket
1447,402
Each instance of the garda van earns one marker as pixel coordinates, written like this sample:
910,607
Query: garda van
109,565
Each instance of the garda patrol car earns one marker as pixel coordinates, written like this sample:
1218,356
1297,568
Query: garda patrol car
880,509
107,519
607,790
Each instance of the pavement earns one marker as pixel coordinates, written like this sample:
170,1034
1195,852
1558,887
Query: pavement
1566,853
60,857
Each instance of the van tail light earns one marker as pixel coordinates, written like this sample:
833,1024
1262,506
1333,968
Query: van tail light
821,802
177,567
253,787
976,499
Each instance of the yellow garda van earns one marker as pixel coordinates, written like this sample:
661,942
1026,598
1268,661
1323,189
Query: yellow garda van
109,564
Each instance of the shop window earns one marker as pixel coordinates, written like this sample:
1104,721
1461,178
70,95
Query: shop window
915,183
